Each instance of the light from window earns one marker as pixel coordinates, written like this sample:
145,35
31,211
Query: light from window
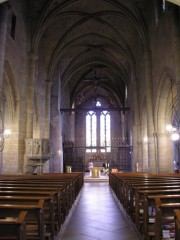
163,5
98,104
126,93
105,133
91,133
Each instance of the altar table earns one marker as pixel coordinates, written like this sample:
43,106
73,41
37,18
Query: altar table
95,171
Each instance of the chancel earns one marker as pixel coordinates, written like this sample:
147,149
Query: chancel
89,112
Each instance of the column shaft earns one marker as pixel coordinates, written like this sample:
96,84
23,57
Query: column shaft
30,95
150,118
47,117
176,37
137,143
164,153
3,33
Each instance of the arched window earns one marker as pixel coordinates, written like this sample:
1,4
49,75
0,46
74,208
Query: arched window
105,133
91,133
98,131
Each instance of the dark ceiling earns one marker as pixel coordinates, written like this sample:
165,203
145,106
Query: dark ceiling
95,43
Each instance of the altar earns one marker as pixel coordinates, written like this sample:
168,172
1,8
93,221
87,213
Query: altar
95,171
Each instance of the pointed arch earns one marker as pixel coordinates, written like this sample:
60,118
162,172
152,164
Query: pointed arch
163,104
10,89
36,123
163,115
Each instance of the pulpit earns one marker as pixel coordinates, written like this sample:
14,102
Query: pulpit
95,171
37,153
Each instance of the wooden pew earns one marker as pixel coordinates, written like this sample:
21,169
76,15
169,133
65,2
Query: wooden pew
49,214
13,228
119,182
35,227
40,194
133,203
165,219
177,224
126,192
73,181
126,186
138,205
64,190
150,211
70,185
67,187
132,188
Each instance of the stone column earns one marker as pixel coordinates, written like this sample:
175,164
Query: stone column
47,108
164,153
145,155
3,32
137,144
150,118
176,40
30,101
30,94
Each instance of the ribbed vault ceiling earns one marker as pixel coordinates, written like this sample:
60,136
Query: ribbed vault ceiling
95,43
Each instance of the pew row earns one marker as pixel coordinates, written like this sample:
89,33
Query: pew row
177,224
58,191
132,190
13,228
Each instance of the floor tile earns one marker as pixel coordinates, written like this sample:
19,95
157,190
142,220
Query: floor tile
97,216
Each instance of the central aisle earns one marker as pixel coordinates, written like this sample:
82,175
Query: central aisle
97,216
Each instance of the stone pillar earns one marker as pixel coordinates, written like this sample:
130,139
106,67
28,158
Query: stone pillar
137,158
150,121
164,153
3,32
47,111
145,158
176,38
30,95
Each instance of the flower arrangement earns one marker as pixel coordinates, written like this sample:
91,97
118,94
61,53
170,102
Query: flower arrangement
106,171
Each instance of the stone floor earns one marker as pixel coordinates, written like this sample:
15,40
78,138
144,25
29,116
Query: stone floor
96,215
